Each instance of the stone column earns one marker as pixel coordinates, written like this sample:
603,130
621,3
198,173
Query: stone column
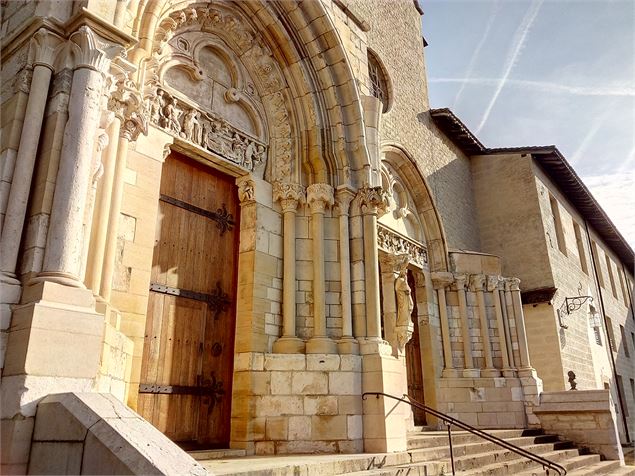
460,281
525,363
390,266
440,281
319,196
63,256
44,47
129,122
477,282
289,195
347,344
493,283
371,200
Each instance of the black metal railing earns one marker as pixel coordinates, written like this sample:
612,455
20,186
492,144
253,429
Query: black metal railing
546,464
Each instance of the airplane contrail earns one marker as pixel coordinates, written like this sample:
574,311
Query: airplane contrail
595,127
623,90
477,51
517,45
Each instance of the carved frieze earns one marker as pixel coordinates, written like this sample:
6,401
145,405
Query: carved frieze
206,130
394,243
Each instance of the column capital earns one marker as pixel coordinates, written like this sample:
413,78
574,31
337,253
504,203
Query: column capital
493,282
246,189
343,198
373,200
441,279
45,46
126,102
512,284
90,51
319,196
393,264
477,282
460,280
288,194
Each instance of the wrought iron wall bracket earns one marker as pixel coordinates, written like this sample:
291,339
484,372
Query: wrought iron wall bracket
571,304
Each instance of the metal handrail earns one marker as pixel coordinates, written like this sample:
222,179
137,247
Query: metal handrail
449,421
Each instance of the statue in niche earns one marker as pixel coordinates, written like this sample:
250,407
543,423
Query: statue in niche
192,126
172,113
405,305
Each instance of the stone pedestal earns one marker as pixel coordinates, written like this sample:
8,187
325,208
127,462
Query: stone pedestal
54,345
384,429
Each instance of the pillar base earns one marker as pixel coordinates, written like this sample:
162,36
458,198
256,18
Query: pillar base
289,345
527,372
348,345
321,345
450,373
490,373
510,373
65,279
471,373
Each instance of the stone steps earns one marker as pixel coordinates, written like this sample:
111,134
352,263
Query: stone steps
428,455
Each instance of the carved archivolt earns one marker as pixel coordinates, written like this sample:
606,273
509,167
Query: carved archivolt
214,82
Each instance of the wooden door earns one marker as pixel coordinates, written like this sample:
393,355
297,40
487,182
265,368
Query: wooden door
413,360
187,364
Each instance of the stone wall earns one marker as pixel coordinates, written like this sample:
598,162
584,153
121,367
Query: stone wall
286,403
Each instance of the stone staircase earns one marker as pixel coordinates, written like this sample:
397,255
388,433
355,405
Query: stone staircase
428,455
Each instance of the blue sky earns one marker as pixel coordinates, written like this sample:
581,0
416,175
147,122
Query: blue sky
542,72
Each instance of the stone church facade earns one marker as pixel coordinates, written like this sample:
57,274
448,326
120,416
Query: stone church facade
238,217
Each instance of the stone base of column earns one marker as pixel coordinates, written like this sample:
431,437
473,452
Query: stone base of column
490,373
471,373
450,373
509,373
527,372
289,345
65,279
348,345
321,345
384,428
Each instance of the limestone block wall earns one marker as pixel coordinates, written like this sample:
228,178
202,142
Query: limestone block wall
115,364
394,35
296,403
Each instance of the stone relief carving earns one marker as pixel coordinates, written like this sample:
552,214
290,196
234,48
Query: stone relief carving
206,130
394,243
246,190
176,39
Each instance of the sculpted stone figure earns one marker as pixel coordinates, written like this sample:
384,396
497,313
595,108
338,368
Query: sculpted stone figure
405,305
156,108
192,127
172,113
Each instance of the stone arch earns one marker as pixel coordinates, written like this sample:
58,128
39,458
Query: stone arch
300,37
416,185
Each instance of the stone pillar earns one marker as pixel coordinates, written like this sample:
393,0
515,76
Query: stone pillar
347,344
440,281
63,256
44,47
525,364
371,200
508,314
493,283
289,195
391,266
460,281
477,282
129,122
319,196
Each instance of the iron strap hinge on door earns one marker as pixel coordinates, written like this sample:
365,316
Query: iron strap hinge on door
218,300
224,220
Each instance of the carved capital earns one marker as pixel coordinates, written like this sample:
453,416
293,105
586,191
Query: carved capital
22,82
91,52
460,280
393,264
45,47
373,200
441,280
319,196
493,283
246,190
125,101
513,284
477,282
288,194
343,199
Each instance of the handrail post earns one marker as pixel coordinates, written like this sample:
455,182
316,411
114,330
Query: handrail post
449,425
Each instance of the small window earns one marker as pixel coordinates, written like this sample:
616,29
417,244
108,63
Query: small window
609,267
594,246
610,334
622,286
555,213
624,342
580,243
378,80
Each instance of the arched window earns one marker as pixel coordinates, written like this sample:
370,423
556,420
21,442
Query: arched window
378,80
